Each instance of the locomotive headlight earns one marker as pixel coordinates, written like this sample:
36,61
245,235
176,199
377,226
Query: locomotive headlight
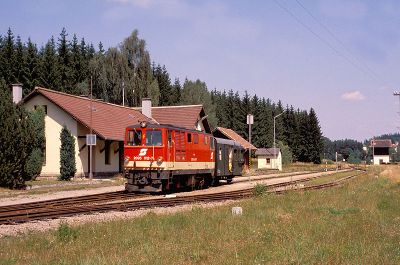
160,159
126,160
143,124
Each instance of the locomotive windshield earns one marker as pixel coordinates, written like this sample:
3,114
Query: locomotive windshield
153,137
134,137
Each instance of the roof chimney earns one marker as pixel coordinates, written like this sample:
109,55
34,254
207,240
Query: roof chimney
17,93
146,107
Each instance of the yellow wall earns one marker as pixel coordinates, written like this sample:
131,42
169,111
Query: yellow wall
55,119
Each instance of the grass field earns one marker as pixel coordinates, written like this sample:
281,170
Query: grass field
358,223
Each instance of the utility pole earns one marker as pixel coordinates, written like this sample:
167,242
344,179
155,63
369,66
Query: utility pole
274,138
250,121
91,131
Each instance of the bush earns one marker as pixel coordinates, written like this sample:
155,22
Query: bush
66,233
67,155
260,190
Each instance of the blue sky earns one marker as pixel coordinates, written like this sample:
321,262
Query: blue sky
342,60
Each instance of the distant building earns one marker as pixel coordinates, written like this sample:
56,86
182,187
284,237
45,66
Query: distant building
381,151
270,158
232,135
108,121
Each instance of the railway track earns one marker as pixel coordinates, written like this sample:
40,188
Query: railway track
52,209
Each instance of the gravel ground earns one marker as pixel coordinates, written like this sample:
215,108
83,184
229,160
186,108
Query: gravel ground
20,229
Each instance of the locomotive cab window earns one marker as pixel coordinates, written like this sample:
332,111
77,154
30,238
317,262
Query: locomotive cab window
153,137
134,137
189,137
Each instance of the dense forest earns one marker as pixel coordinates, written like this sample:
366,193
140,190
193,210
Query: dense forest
70,64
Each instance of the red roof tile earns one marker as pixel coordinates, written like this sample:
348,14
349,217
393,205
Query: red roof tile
236,137
181,116
108,120
381,143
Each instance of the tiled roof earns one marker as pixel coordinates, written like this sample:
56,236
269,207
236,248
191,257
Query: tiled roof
108,120
270,152
381,143
236,137
181,116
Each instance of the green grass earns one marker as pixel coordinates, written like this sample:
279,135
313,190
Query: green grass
330,178
358,223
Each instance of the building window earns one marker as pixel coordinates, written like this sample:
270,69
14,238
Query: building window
42,106
107,152
268,160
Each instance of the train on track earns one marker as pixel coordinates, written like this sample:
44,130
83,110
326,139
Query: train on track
162,158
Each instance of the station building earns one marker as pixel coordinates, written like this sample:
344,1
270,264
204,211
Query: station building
108,121
270,158
381,151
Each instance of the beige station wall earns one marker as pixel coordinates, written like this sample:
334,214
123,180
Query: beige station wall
274,163
55,119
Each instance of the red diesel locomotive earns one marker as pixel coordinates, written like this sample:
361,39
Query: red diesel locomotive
165,158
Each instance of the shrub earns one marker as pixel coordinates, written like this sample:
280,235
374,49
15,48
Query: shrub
66,233
67,155
260,190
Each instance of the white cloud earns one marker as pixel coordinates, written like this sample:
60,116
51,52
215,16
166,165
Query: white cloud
353,96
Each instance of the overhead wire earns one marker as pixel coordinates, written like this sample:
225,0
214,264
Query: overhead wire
330,32
327,43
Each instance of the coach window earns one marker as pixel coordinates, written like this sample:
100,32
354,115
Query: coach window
189,137
220,153
134,137
196,138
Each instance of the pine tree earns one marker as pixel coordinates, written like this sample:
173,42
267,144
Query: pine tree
67,155
49,68
19,60
8,58
315,138
177,90
30,77
64,62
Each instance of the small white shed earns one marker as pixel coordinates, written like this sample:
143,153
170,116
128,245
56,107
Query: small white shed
270,158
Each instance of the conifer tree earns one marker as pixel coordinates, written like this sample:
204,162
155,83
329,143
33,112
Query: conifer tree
67,155
176,92
64,61
19,60
49,67
315,138
8,58
30,77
